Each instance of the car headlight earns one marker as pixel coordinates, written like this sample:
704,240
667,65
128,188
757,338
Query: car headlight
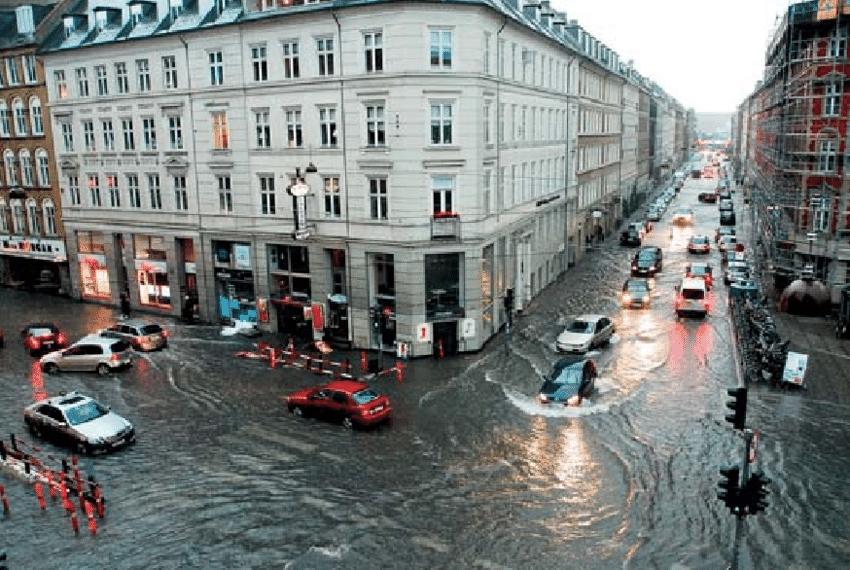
574,400
544,398
627,298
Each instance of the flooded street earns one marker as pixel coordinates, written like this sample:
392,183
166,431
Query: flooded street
472,473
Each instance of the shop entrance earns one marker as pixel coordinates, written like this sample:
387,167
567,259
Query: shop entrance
446,332
291,321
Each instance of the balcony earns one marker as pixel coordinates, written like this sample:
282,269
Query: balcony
445,225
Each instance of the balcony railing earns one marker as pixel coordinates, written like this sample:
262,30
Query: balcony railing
445,225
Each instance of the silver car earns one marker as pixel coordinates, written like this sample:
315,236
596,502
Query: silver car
140,335
90,354
79,422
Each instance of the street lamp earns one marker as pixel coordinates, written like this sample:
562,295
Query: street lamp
299,190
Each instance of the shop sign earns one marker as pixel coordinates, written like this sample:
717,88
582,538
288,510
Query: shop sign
467,329
301,231
151,266
597,214
190,267
423,332
242,256
318,314
47,249
795,368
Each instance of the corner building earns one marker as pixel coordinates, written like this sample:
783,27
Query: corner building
434,140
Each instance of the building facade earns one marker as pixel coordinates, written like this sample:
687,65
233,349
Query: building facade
32,247
630,191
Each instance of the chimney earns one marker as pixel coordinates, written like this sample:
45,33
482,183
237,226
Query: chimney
531,9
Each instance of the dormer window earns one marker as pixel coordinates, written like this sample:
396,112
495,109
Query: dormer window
175,8
23,16
100,20
68,23
105,18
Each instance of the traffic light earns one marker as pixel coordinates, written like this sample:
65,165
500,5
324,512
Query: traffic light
729,489
737,404
755,493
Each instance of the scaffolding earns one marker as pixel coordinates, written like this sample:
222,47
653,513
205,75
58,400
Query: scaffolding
796,127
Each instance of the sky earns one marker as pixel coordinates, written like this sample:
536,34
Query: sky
708,55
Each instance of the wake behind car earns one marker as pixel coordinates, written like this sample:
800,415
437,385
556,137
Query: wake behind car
140,335
699,244
92,353
348,401
683,217
571,380
584,333
636,293
43,337
79,422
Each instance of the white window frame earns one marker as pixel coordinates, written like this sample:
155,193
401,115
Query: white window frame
216,61
379,197
440,48
149,133
441,118
259,63
21,123
328,126
25,161
155,191
443,195
225,194
169,72
42,163
181,193
268,195
220,131
121,78
294,128
48,209
74,190
262,128
108,135
143,75
95,199
36,116
30,68
113,190
33,218
101,80
376,125
827,155
134,193
373,49
60,84
291,63
128,134
12,77
325,56
332,194
175,132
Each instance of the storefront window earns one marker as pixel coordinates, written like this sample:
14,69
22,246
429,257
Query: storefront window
149,247
289,266
235,281
90,242
384,274
443,296
94,278
153,287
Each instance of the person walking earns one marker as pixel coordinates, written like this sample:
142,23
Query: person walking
125,305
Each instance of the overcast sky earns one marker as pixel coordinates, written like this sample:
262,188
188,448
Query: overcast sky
708,55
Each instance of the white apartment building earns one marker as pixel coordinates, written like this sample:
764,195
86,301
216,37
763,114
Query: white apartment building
434,151
629,150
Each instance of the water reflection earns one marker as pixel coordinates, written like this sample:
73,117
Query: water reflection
39,392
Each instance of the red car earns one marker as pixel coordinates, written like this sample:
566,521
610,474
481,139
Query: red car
43,337
349,401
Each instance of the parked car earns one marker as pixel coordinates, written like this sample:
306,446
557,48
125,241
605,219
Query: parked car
707,197
636,293
699,244
730,256
727,243
692,298
654,215
683,217
348,401
43,337
571,380
725,205
700,271
79,422
736,271
724,194
727,217
585,333
140,335
92,353
723,231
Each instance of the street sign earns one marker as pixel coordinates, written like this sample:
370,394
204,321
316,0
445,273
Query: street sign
597,214
301,234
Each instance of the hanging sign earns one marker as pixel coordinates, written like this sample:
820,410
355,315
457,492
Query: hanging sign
300,190
242,256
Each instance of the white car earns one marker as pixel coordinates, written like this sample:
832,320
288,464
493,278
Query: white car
584,333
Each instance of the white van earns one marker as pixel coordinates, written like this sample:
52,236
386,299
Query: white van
692,298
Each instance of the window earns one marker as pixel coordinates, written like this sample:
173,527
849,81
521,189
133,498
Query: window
33,218
21,127
259,63
9,166
175,132
61,84
26,24
332,199
837,46
100,76
43,165
268,198
293,128
5,127
67,136
485,195
113,191
488,137
827,155
441,123
290,60
374,51
82,82
12,77
169,72
820,213
378,198
36,117
485,62
30,69
74,190
149,133
49,217
4,225
94,191
832,99
88,135
18,218
143,75
375,128
155,191
108,135
325,51
128,134
216,68
181,196
133,191
221,134
442,190
327,126
175,8
121,78
264,129
26,168
441,48
225,196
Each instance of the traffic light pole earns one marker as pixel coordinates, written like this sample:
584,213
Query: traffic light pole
745,475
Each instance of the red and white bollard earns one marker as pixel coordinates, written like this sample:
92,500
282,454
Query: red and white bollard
39,494
92,523
4,500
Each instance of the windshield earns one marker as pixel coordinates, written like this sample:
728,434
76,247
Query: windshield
41,331
646,256
567,375
364,397
85,413
698,270
580,327
693,294
699,239
637,286
151,329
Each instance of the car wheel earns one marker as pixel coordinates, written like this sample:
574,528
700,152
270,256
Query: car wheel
82,448
51,368
297,411
347,422
102,369
33,353
34,430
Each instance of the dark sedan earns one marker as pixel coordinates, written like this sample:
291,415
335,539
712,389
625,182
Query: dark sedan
630,238
707,197
571,381
43,337
727,217
636,293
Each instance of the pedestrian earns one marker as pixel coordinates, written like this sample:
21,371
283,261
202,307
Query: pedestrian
125,305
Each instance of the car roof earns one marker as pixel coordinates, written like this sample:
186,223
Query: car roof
96,339
589,317
570,360
699,264
63,401
692,283
347,386
699,236
40,325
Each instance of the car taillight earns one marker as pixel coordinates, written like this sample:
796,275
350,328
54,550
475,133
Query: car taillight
135,341
679,301
164,333
115,357
61,338
33,342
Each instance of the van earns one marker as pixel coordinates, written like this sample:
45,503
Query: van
692,298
